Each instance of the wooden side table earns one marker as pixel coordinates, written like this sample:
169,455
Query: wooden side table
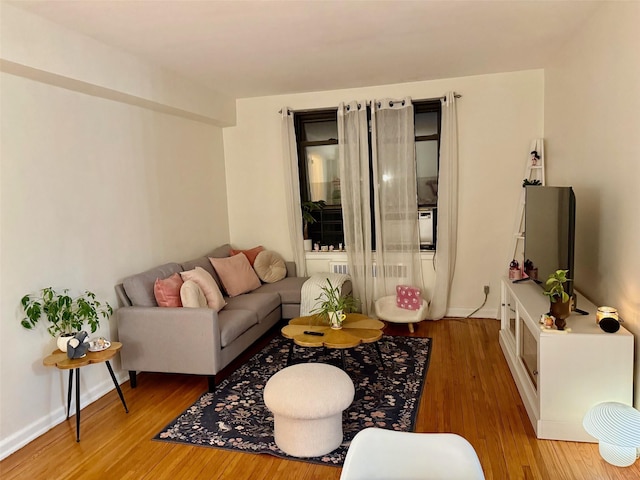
60,360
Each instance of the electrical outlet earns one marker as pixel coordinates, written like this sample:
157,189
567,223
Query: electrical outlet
486,289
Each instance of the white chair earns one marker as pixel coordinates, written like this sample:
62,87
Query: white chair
377,454
386,309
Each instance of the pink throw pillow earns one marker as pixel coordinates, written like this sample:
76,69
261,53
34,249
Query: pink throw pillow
251,253
408,297
208,286
167,291
236,274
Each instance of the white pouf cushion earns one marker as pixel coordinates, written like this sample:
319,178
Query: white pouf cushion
307,401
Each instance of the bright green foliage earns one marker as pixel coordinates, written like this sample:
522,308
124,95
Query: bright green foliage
330,300
64,313
554,286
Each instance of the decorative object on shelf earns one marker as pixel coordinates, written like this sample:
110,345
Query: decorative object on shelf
307,217
530,270
606,312
531,183
546,320
514,270
617,428
333,306
66,315
560,300
535,158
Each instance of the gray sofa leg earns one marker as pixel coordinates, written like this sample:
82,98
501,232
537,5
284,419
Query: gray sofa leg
212,383
133,381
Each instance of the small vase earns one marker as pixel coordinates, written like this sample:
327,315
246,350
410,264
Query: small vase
561,310
63,339
307,244
336,319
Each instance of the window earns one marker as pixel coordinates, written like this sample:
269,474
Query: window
317,140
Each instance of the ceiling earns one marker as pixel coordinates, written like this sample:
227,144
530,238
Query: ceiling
255,48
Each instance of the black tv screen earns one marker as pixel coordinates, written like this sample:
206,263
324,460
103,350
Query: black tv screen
549,232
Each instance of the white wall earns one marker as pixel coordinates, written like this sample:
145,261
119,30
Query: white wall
498,116
92,190
592,120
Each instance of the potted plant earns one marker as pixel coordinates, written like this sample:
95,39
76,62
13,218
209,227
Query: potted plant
332,306
560,300
309,219
66,315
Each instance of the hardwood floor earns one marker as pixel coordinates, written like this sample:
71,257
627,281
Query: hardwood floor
468,391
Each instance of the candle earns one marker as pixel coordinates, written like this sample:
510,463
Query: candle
606,312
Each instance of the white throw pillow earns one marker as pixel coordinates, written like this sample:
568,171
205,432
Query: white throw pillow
192,296
208,286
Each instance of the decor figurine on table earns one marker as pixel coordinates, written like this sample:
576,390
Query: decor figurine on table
66,315
560,306
77,347
333,306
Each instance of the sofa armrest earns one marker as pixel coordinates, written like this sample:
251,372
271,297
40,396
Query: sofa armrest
170,340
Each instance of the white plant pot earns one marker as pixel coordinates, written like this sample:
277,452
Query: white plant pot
336,319
63,340
307,245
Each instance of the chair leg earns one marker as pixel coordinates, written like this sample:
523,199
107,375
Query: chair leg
411,327
211,380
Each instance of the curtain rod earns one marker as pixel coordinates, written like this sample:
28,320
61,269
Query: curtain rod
444,97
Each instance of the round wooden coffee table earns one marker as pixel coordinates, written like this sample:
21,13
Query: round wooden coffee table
356,329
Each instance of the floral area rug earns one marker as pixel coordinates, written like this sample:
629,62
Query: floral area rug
235,416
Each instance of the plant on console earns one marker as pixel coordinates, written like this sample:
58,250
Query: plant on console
560,301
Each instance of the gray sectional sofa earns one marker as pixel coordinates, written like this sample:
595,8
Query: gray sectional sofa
197,341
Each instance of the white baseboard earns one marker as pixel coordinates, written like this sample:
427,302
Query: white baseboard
32,431
482,313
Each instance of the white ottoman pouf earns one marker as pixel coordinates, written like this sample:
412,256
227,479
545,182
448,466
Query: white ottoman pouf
307,401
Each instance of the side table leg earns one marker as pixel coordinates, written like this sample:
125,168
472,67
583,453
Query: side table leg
69,393
115,382
77,404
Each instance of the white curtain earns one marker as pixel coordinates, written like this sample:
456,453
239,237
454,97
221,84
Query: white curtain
445,257
395,196
353,150
292,190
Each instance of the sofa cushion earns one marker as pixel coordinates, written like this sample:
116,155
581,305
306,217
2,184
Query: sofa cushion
270,266
192,296
250,254
222,251
261,303
167,291
208,285
236,274
234,323
139,288
288,288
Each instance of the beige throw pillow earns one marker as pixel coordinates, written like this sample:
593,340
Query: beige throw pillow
208,286
270,266
192,296
236,274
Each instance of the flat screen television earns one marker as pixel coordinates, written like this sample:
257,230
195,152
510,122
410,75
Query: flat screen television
549,232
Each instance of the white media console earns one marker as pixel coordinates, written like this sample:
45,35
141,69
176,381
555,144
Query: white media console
561,375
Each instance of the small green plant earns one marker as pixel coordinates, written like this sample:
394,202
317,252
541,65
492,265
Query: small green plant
65,314
527,182
330,300
554,286
307,217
